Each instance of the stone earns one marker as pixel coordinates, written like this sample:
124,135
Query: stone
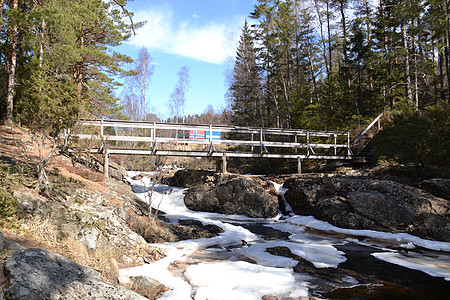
439,187
143,285
250,196
375,204
190,178
39,274
147,286
12,245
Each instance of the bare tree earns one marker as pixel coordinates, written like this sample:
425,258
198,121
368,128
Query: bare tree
178,96
144,70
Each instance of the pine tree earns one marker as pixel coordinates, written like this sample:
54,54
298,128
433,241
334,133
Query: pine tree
245,88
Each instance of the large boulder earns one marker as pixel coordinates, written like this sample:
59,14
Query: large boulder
439,187
39,274
363,203
189,178
234,194
87,216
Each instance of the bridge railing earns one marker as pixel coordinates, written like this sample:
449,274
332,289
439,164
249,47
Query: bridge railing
366,135
181,140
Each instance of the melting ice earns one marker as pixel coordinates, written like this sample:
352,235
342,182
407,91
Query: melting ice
249,272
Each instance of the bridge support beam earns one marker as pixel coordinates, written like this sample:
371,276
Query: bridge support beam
299,165
106,165
224,163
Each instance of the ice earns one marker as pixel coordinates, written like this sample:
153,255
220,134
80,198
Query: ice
404,238
418,262
321,255
270,275
241,280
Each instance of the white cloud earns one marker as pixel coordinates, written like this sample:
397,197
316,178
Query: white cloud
212,42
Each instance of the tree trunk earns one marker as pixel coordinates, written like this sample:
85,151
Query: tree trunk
416,84
344,43
44,159
447,50
322,38
407,72
329,36
12,68
369,41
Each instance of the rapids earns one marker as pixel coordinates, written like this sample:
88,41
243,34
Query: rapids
317,259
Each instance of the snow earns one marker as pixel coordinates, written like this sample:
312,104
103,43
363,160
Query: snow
321,255
236,276
418,262
403,238
241,280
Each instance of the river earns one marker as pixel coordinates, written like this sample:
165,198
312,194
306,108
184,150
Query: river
289,257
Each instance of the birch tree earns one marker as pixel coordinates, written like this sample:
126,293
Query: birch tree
178,97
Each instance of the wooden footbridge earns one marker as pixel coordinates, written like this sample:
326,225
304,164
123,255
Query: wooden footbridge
164,139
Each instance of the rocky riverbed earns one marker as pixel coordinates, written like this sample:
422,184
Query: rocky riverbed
361,227
379,262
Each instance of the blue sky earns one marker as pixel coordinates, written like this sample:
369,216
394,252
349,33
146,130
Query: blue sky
199,34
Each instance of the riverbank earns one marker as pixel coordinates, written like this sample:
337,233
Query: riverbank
103,225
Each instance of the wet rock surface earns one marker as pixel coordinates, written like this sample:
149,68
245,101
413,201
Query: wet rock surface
364,203
235,194
39,274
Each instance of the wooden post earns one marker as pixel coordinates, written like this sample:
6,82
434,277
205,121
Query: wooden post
106,165
296,141
299,165
335,142
224,163
261,141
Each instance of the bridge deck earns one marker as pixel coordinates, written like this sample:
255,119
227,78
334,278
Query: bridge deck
164,139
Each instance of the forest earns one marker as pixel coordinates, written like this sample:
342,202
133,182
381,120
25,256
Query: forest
314,64
337,64
333,63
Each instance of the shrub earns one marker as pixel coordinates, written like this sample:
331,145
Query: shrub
8,204
418,137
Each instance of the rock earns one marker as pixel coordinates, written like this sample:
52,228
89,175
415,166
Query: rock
267,297
234,194
39,274
143,285
12,245
147,286
117,171
189,178
2,242
439,187
88,216
376,204
31,204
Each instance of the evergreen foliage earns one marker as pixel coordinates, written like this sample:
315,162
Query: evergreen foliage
334,64
420,137
337,64
65,65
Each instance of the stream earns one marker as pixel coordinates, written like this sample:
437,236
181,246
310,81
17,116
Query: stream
291,256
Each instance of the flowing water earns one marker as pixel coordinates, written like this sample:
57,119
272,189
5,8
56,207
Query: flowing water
313,258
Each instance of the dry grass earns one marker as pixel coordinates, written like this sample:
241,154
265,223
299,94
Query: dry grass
18,144
43,234
151,229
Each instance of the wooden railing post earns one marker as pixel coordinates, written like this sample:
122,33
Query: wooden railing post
224,163
106,164
261,141
299,165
